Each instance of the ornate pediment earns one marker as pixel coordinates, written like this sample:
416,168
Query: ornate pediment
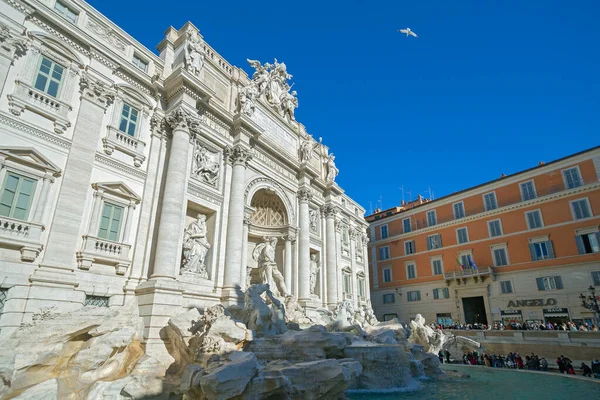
30,157
118,189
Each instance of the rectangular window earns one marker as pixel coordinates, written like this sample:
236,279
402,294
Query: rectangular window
65,12
411,271
534,219
17,194
581,209
542,250
139,63
437,267
588,243
384,253
441,293
387,274
434,241
49,77
347,284
462,236
431,218
129,120
495,228
409,247
549,283
527,191
110,222
500,258
459,210
414,295
96,301
406,225
596,278
572,178
361,286
389,298
489,199
506,287
384,231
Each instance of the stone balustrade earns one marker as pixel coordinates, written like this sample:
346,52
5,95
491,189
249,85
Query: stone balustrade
102,251
27,97
23,235
115,139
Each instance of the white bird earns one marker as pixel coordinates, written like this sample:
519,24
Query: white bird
408,32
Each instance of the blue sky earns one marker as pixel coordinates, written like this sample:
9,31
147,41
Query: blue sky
489,87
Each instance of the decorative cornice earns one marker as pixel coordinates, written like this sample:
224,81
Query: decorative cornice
15,46
239,155
19,6
95,91
111,162
304,195
52,138
133,81
84,49
201,192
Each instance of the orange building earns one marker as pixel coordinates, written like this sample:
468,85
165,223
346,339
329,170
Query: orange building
521,247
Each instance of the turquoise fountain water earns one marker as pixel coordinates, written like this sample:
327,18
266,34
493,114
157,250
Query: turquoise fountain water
491,384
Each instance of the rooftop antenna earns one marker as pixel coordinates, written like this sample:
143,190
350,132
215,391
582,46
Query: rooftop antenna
409,195
380,202
430,192
371,207
402,188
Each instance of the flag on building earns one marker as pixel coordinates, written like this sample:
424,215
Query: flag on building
472,263
460,264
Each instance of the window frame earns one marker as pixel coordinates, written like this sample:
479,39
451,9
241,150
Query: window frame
512,288
413,247
381,258
485,207
499,220
407,266
383,275
462,207
69,7
499,246
445,293
404,225
391,296
539,211
541,240
120,226
533,187
141,60
432,260
589,208
595,282
550,278
579,233
565,182
32,197
430,242
49,77
418,295
466,228
381,231
347,278
434,213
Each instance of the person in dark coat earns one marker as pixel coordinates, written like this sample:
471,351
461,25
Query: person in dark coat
586,371
441,356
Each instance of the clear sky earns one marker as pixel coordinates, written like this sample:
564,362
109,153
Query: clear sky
488,87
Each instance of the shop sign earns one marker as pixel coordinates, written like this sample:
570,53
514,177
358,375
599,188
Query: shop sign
555,310
510,312
532,303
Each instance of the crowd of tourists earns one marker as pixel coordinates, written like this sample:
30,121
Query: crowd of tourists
533,326
531,362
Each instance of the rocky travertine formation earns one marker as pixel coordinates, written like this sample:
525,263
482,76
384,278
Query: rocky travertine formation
98,353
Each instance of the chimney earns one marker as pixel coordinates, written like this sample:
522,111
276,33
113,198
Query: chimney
541,163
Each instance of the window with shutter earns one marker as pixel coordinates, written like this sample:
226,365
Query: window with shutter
489,200
459,210
549,283
541,250
506,287
409,247
581,209
462,235
389,298
387,275
534,219
110,222
431,218
436,295
588,243
406,225
596,278
384,231
437,267
495,228
572,178
411,272
500,258
527,191
17,195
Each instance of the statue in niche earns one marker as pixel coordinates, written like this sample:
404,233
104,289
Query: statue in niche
313,217
315,267
264,254
195,248
332,170
307,146
247,97
205,167
194,53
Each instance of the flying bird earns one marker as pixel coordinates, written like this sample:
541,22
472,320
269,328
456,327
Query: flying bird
408,32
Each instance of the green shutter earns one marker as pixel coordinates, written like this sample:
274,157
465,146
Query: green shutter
558,282
550,249
532,252
115,224
435,294
540,283
105,221
580,245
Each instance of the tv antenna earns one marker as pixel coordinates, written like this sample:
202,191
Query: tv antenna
381,202
402,189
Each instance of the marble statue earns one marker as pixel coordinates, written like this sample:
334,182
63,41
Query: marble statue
264,254
314,270
343,319
332,170
269,81
307,146
313,217
295,313
205,167
194,53
370,317
195,247
259,317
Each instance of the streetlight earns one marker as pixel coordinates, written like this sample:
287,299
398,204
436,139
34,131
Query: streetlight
591,303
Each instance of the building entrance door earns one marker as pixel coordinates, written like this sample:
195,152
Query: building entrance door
474,308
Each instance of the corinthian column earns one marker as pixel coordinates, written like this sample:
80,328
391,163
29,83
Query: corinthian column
331,267
287,265
239,156
304,196
167,257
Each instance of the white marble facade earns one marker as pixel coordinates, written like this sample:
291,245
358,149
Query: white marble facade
124,173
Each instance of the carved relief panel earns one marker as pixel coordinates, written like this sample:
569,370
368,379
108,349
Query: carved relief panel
206,165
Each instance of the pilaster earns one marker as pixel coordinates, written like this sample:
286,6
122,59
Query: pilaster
329,210
304,197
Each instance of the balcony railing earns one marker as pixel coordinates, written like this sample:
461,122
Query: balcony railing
115,139
22,235
102,251
30,98
462,275
502,202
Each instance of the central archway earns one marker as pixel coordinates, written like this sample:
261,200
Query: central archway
269,210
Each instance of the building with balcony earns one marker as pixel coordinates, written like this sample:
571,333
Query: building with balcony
128,174
522,247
